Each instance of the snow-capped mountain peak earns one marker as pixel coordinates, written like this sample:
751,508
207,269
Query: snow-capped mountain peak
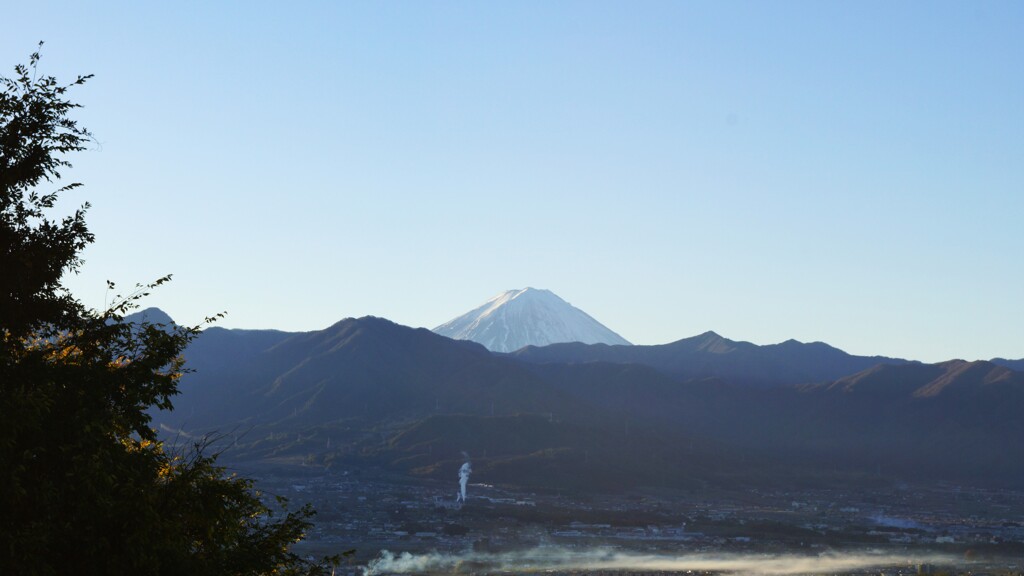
518,318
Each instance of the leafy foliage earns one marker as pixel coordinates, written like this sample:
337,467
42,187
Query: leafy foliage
85,484
34,250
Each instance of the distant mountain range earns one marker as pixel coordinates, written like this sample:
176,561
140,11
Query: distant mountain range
368,392
1017,365
518,318
711,355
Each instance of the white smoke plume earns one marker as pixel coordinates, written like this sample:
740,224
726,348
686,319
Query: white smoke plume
556,558
464,473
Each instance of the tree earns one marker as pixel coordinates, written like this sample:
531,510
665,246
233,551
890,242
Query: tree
85,484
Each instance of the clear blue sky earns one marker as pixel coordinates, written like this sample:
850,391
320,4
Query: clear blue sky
849,172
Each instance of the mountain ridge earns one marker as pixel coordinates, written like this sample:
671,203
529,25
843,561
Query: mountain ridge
367,391
711,355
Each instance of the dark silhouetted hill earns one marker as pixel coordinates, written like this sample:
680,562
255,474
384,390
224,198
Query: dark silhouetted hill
1017,365
358,368
703,410
711,355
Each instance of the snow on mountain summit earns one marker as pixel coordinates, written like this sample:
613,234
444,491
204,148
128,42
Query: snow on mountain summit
518,318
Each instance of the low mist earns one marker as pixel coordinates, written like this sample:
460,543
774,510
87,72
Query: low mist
555,558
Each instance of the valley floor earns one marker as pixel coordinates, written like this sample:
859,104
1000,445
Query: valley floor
940,528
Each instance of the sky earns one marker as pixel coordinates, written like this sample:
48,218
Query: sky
846,172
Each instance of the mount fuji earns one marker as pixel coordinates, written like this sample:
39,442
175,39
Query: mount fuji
518,318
